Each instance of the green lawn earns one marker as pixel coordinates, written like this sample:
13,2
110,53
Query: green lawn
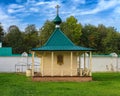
103,84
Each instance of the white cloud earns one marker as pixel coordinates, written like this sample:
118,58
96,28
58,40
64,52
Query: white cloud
30,1
34,9
117,10
48,4
111,20
8,20
78,1
13,8
46,10
102,5
41,3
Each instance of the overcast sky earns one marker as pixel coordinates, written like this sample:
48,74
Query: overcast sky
24,12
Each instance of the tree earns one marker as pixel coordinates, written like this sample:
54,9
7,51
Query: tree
22,41
101,35
111,42
104,39
31,29
14,39
46,31
72,29
31,39
1,33
88,37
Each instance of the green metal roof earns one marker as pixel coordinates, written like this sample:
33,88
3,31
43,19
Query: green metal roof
58,38
58,41
5,51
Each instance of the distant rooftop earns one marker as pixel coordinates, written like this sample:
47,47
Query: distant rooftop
5,51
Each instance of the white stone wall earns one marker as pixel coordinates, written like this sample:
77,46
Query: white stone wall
7,64
100,63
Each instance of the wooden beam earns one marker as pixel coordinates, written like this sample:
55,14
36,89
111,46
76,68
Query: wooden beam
71,64
79,62
42,68
84,60
52,60
33,63
90,63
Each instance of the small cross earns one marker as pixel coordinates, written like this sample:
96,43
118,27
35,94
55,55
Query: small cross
57,7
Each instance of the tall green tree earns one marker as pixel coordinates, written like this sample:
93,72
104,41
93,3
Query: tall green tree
111,42
31,39
31,29
72,29
88,37
1,33
14,39
104,39
46,31
101,35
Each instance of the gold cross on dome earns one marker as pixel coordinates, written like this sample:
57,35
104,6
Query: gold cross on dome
57,7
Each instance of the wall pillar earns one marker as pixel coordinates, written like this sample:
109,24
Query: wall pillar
52,60
71,65
42,68
33,63
90,63
80,69
84,60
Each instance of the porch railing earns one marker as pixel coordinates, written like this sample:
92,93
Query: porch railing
65,72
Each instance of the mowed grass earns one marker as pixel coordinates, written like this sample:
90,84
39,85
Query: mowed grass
103,84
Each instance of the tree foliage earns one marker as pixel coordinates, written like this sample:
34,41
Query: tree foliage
22,41
46,31
1,33
14,39
31,39
111,42
104,39
72,29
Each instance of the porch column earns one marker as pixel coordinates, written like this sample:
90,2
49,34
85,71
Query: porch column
42,72
90,63
80,69
52,60
79,62
84,60
33,55
71,64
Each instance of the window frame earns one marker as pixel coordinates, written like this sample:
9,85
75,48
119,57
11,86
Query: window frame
60,59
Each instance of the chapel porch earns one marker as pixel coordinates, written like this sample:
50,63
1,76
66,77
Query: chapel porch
74,67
